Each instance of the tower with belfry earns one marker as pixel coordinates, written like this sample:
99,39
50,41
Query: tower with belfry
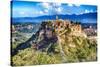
57,17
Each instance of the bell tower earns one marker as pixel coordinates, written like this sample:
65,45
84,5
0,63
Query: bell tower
56,17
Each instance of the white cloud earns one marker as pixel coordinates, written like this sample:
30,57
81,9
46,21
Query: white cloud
70,5
50,6
41,12
22,13
87,11
45,11
81,13
91,11
46,5
56,4
77,5
59,9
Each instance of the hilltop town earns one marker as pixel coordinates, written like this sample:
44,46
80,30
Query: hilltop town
59,40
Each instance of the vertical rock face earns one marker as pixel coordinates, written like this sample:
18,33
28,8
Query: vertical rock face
46,36
57,31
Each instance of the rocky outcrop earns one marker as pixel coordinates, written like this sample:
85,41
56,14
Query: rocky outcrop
51,32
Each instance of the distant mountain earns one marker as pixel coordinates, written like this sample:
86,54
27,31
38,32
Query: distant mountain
84,18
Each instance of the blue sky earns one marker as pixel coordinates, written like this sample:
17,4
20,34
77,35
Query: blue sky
34,9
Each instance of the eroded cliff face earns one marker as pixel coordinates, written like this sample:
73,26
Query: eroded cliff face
54,33
61,32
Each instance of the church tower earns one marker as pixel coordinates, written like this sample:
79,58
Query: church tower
56,17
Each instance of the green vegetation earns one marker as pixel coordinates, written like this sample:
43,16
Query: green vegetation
85,50
18,38
75,48
32,57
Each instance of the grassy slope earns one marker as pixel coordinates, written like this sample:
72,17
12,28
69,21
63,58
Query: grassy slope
84,50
